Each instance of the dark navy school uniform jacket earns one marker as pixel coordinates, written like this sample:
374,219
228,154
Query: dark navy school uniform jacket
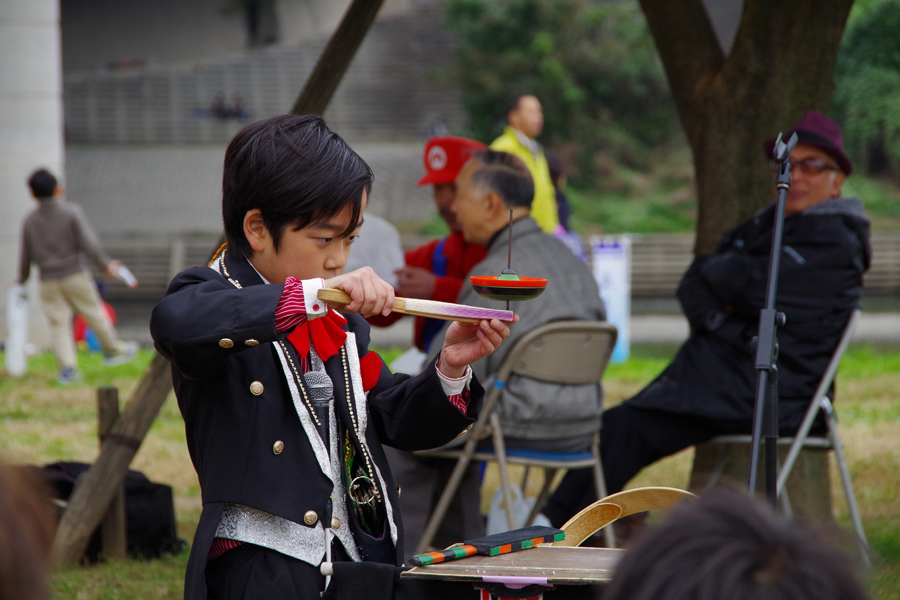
248,446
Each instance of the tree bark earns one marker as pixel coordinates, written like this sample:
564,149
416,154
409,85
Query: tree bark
781,65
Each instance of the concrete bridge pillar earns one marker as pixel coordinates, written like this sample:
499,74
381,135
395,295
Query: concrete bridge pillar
31,124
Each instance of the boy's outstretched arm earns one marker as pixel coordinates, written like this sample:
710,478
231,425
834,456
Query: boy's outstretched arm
203,320
466,343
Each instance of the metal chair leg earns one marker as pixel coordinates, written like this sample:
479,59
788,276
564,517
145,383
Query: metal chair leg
609,536
549,475
500,451
852,507
437,515
524,484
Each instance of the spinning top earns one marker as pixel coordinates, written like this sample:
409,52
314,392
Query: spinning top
508,285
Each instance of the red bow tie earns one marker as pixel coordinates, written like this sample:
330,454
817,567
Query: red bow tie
326,334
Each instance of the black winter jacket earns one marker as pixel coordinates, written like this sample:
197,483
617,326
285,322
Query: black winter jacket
825,253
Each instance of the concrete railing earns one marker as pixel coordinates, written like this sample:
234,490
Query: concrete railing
658,261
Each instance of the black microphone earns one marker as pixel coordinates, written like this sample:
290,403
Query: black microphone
320,390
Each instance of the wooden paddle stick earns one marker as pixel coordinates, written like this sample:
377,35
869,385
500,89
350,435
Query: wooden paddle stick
426,308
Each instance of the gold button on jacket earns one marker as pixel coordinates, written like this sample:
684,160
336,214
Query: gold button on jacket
226,343
310,517
277,447
465,431
256,388
335,523
251,342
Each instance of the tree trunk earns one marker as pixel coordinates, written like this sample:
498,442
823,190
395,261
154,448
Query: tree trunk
781,65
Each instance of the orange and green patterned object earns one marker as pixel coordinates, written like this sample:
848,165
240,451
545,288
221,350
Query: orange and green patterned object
451,553
492,545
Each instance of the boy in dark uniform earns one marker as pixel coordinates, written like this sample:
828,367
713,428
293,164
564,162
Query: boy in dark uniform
285,408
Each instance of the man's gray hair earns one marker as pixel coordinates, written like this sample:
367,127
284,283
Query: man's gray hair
505,174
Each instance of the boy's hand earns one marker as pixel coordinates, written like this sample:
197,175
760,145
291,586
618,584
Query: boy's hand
466,343
371,294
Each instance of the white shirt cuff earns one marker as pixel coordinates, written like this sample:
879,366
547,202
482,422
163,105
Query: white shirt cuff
455,386
314,307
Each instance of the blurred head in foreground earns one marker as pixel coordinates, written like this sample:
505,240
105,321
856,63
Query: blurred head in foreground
728,546
26,536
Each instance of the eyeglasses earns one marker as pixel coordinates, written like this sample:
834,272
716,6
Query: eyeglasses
811,166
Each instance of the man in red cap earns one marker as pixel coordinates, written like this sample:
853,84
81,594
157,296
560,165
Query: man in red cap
709,388
437,270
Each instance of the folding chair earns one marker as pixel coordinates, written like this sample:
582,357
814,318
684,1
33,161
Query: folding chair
606,510
832,441
563,352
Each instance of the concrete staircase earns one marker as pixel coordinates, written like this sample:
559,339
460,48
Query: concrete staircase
397,88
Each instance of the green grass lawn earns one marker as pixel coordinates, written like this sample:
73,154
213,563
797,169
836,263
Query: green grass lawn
43,422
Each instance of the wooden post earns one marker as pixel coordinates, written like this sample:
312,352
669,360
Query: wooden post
333,63
113,536
93,494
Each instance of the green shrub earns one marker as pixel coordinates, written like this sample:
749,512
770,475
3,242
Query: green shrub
593,66
867,85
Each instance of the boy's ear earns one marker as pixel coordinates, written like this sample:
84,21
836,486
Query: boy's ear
255,230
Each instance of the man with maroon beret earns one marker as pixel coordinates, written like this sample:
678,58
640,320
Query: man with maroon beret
710,387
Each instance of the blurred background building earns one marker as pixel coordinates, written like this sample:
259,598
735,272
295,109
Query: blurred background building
133,103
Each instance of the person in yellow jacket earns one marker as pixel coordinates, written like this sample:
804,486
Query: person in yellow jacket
526,120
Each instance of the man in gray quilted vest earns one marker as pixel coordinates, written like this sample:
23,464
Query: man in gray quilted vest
534,414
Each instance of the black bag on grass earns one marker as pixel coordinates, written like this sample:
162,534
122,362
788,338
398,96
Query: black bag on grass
149,511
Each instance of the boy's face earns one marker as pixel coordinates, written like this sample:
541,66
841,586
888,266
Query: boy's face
311,252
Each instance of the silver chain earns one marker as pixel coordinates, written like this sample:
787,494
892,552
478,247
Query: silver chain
362,445
306,401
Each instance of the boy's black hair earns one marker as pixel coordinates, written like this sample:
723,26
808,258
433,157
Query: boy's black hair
296,171
729,545
505,174
42,184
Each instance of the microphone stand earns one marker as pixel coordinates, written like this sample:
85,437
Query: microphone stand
765,344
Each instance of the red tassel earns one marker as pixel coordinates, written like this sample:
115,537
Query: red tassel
299,338
326,334
370,368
